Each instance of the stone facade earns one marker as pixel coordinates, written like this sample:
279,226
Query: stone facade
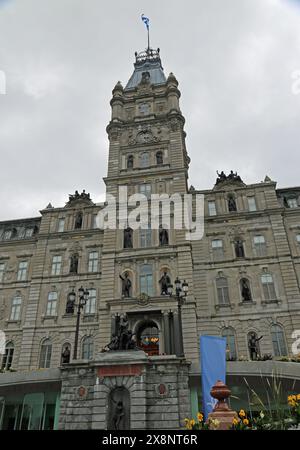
42,259
158,391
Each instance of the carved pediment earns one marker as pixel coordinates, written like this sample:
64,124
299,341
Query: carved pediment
230,181
77,199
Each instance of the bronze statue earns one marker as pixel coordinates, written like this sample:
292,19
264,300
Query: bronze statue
123,338
70,307
159,158
65,356
239,249
118,414
128,238
126,285
246,293
130,162
74,264
163,237
78,221
231,204
165,281
253,346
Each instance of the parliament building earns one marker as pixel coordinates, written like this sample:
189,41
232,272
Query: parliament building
243,280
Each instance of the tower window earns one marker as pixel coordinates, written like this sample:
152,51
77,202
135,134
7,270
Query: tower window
90,306
222,291
93,262
22,271
146,279
15,313
56,265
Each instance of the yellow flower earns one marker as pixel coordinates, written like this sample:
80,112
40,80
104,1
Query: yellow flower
192,422
298,396
246,422
200,417
235,421
242,413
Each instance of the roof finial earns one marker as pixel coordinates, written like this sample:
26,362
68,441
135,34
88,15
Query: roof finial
146,21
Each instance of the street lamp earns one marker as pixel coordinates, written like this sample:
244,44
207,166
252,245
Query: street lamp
181,290
83,295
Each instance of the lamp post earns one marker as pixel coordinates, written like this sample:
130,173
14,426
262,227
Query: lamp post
181,290
83,295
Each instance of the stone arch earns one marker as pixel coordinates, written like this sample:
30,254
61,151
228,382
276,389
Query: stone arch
148,336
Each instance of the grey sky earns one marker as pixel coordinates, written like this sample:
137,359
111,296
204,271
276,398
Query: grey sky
233,59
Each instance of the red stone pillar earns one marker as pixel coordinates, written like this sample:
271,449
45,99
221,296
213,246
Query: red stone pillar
221,411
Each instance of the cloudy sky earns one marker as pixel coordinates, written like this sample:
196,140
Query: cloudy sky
235,61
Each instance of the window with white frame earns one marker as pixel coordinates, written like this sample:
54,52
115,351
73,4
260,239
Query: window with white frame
2,270
268,286
45,354
146,279
15,313
222,290
93,262
145,189
61,225
292,202
146,237
22,270
260,246
8,356
212,211
252,203
56,265
51,304
95,221
90,306
278,340
217,248
87,347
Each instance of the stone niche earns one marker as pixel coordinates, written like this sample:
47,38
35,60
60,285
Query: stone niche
125,390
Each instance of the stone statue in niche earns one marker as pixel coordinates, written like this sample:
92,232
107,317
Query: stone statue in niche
245,289
78,221
65,356
231,204
239,249
126,285
165,281
70,307
163,237
159,158
74,263
128,238
119,409
130,162
253,345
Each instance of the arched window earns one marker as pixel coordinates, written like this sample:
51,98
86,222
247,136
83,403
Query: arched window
148,338
145,159
229,334
222,290
268,286
45,354
159,158
278,340
130,160
245,290
87,347
8,356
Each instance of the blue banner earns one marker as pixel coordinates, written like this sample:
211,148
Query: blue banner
213,367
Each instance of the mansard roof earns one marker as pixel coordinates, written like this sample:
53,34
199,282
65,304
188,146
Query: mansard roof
148,62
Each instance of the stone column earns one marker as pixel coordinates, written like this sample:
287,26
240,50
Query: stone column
166,333
176,324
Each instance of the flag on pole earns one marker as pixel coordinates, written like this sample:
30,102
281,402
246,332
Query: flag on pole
146,21
213,368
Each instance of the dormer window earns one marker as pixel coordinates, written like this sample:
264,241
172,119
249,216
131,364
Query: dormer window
7,234
292,202
28,232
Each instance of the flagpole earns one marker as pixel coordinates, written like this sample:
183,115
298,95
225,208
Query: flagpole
148,37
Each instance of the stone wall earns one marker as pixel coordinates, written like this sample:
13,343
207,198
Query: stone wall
158,390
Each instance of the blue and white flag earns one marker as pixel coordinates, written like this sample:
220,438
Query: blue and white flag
146,21
213,368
